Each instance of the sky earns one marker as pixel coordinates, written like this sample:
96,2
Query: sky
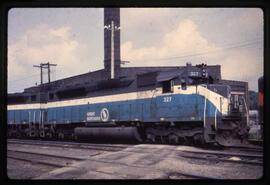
73,39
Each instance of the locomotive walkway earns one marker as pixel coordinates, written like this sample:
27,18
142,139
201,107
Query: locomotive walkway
70,160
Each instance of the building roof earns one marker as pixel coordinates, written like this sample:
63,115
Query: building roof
91,78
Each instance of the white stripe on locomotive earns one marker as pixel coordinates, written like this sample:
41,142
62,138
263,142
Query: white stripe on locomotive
214,98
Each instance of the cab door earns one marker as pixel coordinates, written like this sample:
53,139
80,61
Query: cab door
166,102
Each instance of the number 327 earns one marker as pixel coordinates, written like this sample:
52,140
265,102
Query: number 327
167,99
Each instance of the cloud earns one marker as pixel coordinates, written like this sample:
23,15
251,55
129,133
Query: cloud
248,24
243,65
138,16
42,44
185,39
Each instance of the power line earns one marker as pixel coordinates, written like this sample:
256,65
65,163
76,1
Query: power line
243,42
52,71
20,79
206,52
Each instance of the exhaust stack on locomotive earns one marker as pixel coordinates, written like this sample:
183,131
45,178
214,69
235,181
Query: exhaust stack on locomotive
173,104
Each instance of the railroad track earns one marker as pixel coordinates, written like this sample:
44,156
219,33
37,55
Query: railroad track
251,150
73,145
64,161
247,148
252,159
112,147
216,155
59,160
44,159
176,175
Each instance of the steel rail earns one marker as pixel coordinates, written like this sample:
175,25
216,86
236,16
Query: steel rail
48,155
224,154
65,142
36,161
222,159
112,148
73,145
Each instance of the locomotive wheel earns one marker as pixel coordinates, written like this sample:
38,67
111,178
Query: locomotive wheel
49,135
41,134
74,137
198,139
150,138
186,140
173,139
160,139
60,136
18,135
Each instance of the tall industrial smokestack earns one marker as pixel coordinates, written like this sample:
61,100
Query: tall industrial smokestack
112,42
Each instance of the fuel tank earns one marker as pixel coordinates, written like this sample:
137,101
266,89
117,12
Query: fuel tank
109,133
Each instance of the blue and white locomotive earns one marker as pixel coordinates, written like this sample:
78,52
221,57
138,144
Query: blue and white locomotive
177,106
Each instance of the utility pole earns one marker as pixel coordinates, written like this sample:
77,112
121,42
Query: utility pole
41,72
49,71
45,66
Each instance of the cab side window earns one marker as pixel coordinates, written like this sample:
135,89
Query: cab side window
183,84
167,86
